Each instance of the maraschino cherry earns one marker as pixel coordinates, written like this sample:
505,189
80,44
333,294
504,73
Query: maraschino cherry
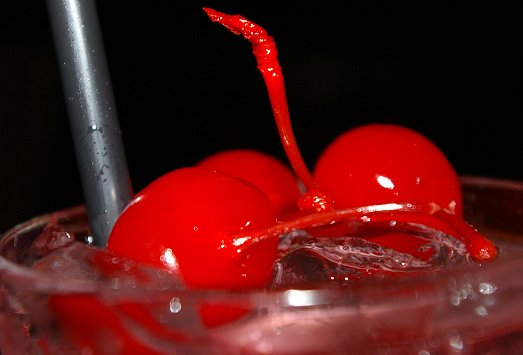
383,163
264,171
183,222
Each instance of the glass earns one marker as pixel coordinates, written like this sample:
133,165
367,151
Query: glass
469,310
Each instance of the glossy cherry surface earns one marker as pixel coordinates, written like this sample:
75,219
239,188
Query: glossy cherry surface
384,163
264,171
183,222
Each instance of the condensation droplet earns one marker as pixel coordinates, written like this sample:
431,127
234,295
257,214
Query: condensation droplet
456,342
89,239
175,305
481,311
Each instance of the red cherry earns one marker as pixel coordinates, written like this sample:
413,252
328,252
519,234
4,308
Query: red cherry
264,171
384,163
183,222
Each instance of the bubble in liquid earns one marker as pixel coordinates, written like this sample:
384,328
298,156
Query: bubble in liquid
456,342
486,288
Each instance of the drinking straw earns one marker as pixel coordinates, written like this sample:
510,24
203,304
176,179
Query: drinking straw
92,112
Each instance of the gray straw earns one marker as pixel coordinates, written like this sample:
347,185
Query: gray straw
92,112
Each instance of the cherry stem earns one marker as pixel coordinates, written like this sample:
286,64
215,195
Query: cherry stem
264,49
479,247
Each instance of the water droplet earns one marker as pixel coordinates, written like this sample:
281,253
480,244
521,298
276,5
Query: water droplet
481,311
175,305
456,342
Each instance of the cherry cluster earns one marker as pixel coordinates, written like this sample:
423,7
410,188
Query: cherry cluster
217,223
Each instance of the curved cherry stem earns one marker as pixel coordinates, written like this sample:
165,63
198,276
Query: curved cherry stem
479,247
264,49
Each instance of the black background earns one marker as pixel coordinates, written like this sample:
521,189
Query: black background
186,87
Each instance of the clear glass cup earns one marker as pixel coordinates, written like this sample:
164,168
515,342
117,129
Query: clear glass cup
467,310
